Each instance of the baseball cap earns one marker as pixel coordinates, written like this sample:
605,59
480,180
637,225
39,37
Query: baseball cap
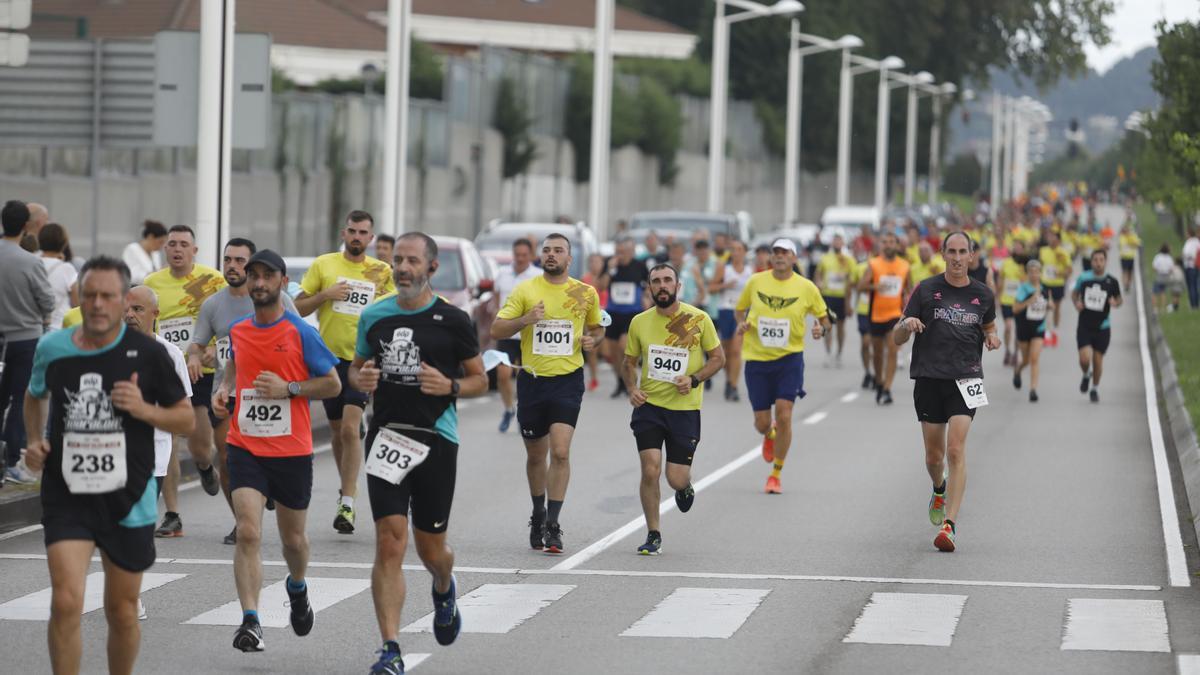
784,243
269,258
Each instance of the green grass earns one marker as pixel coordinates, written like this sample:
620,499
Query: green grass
964,203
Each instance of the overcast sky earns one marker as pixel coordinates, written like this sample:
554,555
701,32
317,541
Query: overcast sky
1133,27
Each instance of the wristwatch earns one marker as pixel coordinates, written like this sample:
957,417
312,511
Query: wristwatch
293,389
695,382
454,387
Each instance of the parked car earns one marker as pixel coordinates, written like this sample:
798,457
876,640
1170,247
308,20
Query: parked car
465,279
851,218
496,241
737,226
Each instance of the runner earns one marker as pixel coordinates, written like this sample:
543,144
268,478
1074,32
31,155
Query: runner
106,389
1010,278
182,287
217,313
928,264
1130,244
954,317
418,354
557,317
773,310
521,269
384,245
1056,267
1094,295
678,347
887,278
269,444
339,286
862,310
595,267
729,281
834,274
625,279
1032,302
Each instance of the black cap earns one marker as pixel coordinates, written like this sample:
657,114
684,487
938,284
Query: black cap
269,258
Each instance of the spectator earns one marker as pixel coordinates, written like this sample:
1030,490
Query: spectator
52,240
143,257
1163,265
1191,273
38,217
25,308
1175,285
384,243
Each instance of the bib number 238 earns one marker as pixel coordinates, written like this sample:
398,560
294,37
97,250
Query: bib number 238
94,463
393,455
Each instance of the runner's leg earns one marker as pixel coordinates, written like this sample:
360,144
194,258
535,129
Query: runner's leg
892,349
121,589
1097,367
559,473
783,428
651,460
437,556
1035,352
1085,359
387,575
679,476
248,505
335,442
293,538
170,491
956,454
350,464
762,421
200,441
68,561
219,434
841,334
504,382
1022,357
934,436
877,351
536,451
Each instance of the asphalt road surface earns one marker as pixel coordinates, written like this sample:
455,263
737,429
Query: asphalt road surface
1064,563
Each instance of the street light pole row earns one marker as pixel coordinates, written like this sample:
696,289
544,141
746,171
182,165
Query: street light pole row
1014,121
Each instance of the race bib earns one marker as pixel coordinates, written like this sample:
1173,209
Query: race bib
361,294
224,351
393,455
177,331
666,363
94,463
972,392
835,282
260,416
623,292
554,337
774,332
1036,311
890,285
1050,272
1095,298
1011,286
1128,250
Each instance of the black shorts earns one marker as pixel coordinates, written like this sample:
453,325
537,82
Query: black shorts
348,395
937,401
202,397
287,480
1057,293
619,325
679,429
1006,311
1127,264
864,324
512,348
542,401
130,548
428,489
882,329
1096,338
837,306
1030,330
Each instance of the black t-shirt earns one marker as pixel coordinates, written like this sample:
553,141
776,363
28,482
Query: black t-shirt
1096,292
952,343
80,384
626,286
979,273
440,335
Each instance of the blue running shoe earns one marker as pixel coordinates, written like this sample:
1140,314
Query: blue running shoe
506,420
653,545
302,615
684,498
389,662
447,622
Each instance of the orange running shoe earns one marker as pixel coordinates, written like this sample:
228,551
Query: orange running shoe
594,384
944,541
773,487
768,446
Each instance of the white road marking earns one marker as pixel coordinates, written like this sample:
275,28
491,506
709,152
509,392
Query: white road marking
273,610
23,530
413,660
699,613
1177,571
498,608
816,417
1188,664
908,619
36,605
850,397
1116,626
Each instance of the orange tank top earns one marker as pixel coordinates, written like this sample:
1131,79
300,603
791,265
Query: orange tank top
888,278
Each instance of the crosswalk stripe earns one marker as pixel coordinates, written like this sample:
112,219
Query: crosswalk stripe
699,613
908,619
36,605
1188,664
273,611
1116,625
413,660
498,608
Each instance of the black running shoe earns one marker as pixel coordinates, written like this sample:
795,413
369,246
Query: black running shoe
1017,381
1083,384
552,536
1094,396
653,545
231,538
684,498
389,662
270,504
447,622
172,526
1033,397
536,523
620,390
302,614
868,381
249,637
887,397
878,392
208,480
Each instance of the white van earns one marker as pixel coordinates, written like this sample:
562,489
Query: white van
851,218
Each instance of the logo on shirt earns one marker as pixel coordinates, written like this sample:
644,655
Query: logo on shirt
90,409
974,301
683,330
378,275
957,316
776,303
400,359
197,291
578,298
937,295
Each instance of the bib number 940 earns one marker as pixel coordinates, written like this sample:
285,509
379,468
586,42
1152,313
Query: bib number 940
665,363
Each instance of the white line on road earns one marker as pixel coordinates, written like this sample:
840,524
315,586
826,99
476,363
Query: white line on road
413,660
908,619
816,417
498,608
1188,664
1177,571
699,613
36,605
850,397
1116,626
273,607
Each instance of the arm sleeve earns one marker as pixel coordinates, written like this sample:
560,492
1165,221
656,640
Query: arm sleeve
514,306
205,331
317,356
989,315
816,305
37,378
311,283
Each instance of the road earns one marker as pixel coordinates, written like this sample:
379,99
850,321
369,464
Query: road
1063,565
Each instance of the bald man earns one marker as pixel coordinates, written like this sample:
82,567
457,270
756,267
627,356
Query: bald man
38,217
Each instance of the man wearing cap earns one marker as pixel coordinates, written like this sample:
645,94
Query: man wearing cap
772,312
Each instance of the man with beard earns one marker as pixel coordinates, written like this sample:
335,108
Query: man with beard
887,278
339,286
217,313
182,287
672,341
419,354
269,445
557,317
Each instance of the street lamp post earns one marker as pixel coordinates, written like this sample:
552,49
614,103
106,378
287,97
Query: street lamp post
601,119
916,86
994,179
846,99
935,137
395,135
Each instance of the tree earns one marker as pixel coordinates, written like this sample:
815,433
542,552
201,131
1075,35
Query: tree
1175,129
964,174
682,13
512,120
424,77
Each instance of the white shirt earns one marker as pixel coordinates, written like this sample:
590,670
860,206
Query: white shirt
1163,264
140,263
61,275
729,296
162,439
507,279
1190,248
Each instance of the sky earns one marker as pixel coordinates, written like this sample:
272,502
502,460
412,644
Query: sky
1133,27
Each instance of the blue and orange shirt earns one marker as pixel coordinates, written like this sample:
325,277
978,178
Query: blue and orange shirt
294,351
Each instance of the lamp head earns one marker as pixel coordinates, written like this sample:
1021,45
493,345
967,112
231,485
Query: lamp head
849,42
786,7
892,63
923,77
950,88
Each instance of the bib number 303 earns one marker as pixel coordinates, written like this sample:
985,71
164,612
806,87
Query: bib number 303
972,392
393,455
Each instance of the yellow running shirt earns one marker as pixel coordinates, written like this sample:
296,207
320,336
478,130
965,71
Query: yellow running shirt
1056,266
864,298
179,301
369,280
1013,275
837,271
776,315
921,271
73,317
669,347
1130,243
551,347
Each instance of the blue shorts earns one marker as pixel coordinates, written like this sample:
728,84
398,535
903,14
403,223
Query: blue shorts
543,401
726,324
778,380
837,306
864,324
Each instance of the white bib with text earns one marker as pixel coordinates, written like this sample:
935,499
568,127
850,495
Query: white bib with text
261,416
177,331
890,285
774,332
972,392
554,337
94,463
666,363
1094,298
393,455
623,292
361,294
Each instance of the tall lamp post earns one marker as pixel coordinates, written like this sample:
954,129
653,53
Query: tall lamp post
935,136
846,101
601,119
916,87
720,84
796,54
395,128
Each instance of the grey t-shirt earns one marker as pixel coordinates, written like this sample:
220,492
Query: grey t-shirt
219,312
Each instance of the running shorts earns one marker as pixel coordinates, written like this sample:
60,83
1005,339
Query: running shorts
1096,339
130,548
679,430
287,480
882,329
348,396
428,489
837,306
512,347
778,380
619,326
1006,311
726,324
542,401
937,401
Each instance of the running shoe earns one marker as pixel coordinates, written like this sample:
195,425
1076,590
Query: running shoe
1083,384
142,615
620,390
249,637
684,498
343,522
302,615
773,487
878,393
887,397
868,381
20,475
389,662
653,545
937,508
768,446
1094,396
537,523
729,392
594,384
447,622
506,420
1033,397
1017,381
231,538
208,480
708,385
734,396
944,541
172,526
1007,358
552,536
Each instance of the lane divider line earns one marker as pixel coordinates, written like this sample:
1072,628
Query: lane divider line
816,417
850,397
